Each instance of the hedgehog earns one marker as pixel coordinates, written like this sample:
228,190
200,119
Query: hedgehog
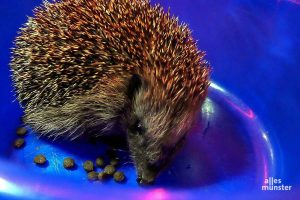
81,67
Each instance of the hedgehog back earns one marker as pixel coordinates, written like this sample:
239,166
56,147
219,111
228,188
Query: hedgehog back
69,47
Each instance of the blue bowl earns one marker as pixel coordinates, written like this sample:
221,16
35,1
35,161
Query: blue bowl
235,145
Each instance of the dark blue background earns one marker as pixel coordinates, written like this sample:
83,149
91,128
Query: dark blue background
253,46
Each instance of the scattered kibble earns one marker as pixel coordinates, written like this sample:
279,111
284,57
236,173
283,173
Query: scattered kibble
114,161
69,163
109,170
92,176
21,131
88,166
40,159
102,176
100,162
19,143
119,176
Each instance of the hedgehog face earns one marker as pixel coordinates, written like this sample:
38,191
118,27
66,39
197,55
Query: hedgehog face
153,135
150,154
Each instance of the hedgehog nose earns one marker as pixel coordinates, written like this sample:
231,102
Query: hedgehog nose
142,181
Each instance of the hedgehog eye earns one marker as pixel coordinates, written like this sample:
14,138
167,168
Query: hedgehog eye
137,127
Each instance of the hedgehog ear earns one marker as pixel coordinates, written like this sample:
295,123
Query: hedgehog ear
135,84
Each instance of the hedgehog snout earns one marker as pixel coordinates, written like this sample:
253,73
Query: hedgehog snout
146,175
143,181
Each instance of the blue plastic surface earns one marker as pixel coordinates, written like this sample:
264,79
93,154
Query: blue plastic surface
254,48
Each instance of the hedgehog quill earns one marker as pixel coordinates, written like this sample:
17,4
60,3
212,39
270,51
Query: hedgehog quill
85,66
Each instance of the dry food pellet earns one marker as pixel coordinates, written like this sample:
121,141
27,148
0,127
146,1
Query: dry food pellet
92,176
119,176
40,159
100,162
114,161
19,143
21,131
109,170
88,166
102,176
69,163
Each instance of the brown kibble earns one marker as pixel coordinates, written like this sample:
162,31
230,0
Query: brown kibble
40,159
100,162
119,176
88,166
92,176
69,163
109,170
21,131
19,143
102,176
114,161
